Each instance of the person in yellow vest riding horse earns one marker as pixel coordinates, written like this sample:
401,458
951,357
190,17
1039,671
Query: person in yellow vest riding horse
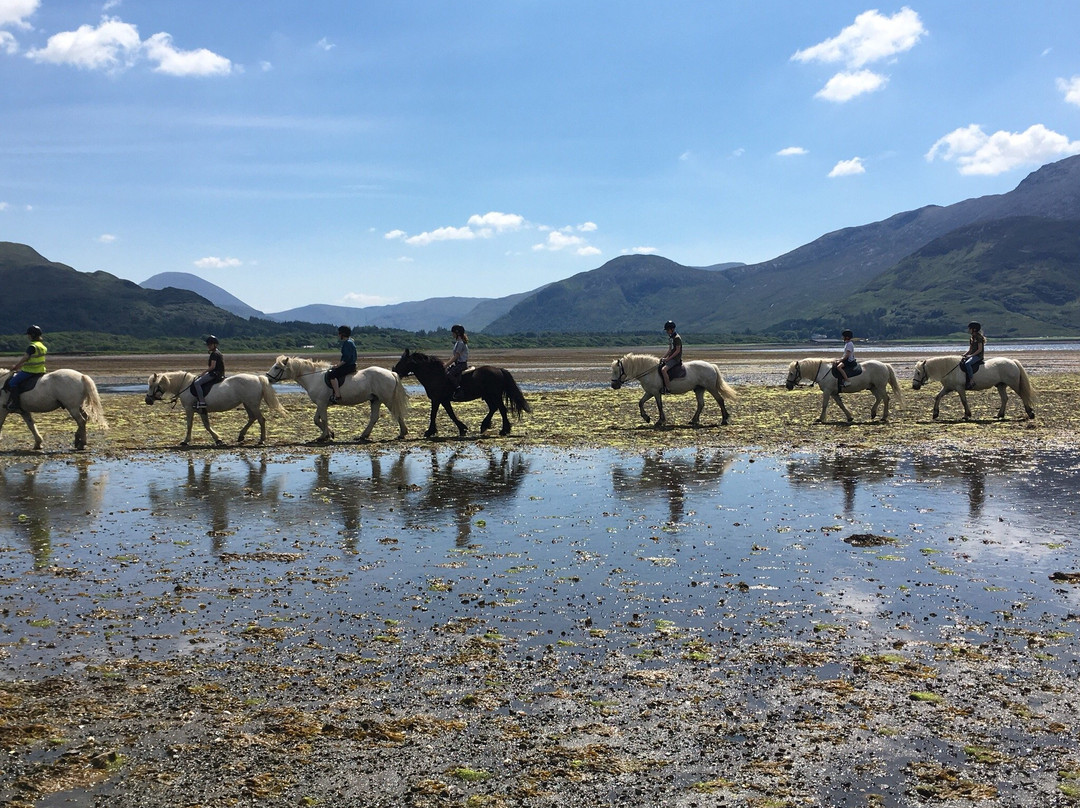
30,364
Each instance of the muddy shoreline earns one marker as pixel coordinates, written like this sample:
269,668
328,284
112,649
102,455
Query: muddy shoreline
195,649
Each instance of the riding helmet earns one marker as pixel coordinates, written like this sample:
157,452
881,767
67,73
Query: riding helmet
457,329
847,334
211,340
669,325
344,330
976,325
34,331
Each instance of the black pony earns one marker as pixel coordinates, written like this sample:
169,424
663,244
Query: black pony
495,385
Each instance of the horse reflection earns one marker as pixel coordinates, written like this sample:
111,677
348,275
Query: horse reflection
672,477
464,491
844,471
36,503
346,490
217,492
972,470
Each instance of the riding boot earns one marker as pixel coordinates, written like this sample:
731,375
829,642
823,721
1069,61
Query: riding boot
12,403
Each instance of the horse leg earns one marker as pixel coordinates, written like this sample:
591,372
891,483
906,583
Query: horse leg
963,399
372,418
323,423
824,406
937,402
661,419
190,419
840,403
699,393
885,407
79,417
485,425
1004,393
251,419
641,406
461,428
723,407
29,419
206,425
505,419
433,430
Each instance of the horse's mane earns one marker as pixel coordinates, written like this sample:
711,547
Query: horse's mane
424,359
175,381
635,363
941,364
303,365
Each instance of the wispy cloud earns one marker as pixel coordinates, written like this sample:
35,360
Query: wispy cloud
106,238
213,262
115,46
792,151
848,168
14,13
360,300
640,251
493,224
976,152
873,37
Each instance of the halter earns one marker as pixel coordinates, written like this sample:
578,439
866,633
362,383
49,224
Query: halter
817,377
622,377
281,373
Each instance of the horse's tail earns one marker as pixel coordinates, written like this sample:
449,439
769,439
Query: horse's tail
723,389
513,397
1023,386
894,383
95,412
399,401
269,395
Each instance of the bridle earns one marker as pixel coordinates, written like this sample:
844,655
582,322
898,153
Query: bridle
817,378
622,378
921,376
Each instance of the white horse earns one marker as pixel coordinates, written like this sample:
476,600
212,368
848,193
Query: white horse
877,377
74,391
700,377
240,389
999,372
374,384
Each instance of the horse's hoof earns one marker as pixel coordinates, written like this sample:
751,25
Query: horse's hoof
184,444
504,431
724,422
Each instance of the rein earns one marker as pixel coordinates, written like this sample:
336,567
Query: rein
623,376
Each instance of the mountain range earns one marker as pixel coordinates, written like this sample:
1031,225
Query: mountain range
1011,260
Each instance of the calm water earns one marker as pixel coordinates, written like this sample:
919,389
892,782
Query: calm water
547,542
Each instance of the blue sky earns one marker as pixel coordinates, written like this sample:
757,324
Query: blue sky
360,153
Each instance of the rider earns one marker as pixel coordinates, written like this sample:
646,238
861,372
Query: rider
215,372
346,366
847,361
460,359
673,358
971,360
32,363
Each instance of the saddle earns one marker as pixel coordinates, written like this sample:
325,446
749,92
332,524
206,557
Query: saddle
209,387
675,372
854,370
26,385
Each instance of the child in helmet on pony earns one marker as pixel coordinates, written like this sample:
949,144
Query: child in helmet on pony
215,372
971,360
460,360
846,362
673,358
31,363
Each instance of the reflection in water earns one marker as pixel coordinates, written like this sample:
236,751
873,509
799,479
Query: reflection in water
215,490
36,503
869,468
464,491
671,477
345,491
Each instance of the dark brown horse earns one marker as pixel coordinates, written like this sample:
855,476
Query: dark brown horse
496,386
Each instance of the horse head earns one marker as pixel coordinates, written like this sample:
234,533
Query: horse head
278,371
794,375
921,376
154,390
618,374
404,365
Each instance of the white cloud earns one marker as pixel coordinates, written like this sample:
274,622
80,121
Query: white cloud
265,66
976,152
871,38
4,206
640,251
15,12
159,48
395,234
559,240
359,299
499,221
792,151
325,44
213,262
1071,88
844,86
8,44
115,45
442,234
106,238
847,168
587,227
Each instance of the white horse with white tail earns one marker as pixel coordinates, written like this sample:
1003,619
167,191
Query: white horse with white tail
701,377
877,377
374,384
245,390
65,388
1000,372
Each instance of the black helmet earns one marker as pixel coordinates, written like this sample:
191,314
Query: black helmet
976,325
344,330
212,340
847,334
34,331
457,328
669,325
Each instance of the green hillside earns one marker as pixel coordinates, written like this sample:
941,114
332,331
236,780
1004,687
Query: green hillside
1018,276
